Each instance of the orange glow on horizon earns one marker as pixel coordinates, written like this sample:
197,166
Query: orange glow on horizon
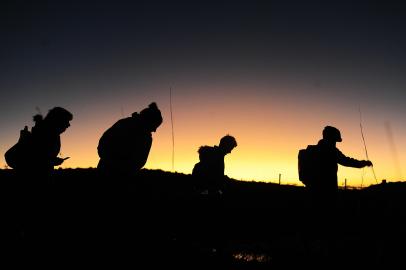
269,133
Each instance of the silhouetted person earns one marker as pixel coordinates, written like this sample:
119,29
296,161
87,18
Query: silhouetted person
124,148
34,158
209,171
323,188
325,184
37,151
210,182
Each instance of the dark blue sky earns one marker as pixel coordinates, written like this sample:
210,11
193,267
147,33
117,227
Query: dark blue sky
86,38
46,44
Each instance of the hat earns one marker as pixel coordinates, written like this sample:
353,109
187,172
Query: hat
332,133
58,114
152,113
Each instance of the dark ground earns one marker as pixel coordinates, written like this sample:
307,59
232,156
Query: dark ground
77,219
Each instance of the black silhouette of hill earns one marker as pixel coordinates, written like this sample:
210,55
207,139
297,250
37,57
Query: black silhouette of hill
161,219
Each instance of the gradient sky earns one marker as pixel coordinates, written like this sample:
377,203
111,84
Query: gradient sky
271,73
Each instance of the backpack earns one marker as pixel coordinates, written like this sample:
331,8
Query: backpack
308,165
205,153
18,155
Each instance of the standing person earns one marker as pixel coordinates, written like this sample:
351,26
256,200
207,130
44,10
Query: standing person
319,169
318,166
211,182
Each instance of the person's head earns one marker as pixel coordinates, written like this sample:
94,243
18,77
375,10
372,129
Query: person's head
151,117
331,134
227,144
59,119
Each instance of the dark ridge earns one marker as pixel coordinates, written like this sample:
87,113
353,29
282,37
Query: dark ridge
160,218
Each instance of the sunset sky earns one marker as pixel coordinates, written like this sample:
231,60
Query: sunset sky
270,73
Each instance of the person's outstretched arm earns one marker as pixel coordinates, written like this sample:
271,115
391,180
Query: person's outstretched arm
351,162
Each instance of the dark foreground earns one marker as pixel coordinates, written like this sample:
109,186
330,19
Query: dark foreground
78,219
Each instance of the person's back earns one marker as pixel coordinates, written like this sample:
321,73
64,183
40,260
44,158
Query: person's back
124,146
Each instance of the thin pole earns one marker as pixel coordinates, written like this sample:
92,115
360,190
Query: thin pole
173,133
365,145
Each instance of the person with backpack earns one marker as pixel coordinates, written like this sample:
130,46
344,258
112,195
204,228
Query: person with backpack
318,166
210,183
36,152
209,171
33,158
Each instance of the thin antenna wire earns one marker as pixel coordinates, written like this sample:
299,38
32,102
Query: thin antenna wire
173,134
365,145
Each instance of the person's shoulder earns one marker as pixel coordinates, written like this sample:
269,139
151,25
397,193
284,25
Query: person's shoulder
205,149
123,122
338,151
127,120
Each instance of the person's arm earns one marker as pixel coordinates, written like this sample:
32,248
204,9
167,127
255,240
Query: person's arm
140,151
351,162
58,161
